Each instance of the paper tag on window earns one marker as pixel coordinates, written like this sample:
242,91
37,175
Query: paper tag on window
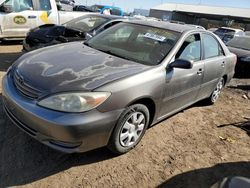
155,37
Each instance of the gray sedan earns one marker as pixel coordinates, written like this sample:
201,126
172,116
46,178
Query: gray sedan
77,97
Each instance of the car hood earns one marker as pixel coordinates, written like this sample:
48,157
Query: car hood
239,52
73,67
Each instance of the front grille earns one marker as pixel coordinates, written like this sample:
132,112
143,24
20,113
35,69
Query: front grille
24,88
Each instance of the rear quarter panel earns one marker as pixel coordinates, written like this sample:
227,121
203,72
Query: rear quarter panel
231,60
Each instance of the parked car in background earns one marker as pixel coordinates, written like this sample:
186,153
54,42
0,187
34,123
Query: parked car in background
213,29
233,182
81,28
68,2
18,17
65,5
82,8
241,47
227,33
247,33
197,26
102,8
76,97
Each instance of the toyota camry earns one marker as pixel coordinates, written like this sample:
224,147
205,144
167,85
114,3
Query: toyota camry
76,97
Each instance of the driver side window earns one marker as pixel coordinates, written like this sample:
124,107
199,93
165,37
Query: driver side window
190,49
19,5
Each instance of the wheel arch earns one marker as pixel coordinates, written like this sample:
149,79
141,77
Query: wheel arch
225,77
149,103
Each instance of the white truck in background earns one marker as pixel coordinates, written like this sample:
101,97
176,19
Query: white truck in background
17,17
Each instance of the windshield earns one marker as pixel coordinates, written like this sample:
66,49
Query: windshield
86,23
142,44
223,32
240,42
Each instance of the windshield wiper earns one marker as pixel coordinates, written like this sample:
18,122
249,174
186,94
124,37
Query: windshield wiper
113,54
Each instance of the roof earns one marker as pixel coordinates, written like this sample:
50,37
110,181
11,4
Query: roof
164,25
202,9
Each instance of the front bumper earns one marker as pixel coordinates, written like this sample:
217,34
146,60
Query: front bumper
26,46
66,132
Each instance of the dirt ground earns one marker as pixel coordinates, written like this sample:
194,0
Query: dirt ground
194,148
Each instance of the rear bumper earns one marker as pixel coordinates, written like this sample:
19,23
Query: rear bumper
66,132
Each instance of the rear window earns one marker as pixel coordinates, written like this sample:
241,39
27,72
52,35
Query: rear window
224,31
240,42
225,34
139,43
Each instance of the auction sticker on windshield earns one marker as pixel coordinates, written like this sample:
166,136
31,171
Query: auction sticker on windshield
155,37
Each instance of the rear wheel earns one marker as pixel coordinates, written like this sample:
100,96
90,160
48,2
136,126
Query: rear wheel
130,129
216,93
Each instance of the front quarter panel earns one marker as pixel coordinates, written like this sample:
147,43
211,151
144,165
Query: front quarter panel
148,84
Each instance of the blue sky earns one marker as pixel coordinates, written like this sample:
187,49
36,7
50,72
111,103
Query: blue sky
129,5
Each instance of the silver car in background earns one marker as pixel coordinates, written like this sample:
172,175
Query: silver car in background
77,97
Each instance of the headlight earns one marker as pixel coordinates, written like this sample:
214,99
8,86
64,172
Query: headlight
247,59
74,102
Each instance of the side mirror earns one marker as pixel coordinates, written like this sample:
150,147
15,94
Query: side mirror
6,8
181,64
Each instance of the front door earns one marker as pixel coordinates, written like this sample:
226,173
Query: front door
20,20
46,12
183,85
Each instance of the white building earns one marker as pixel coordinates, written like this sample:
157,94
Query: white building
207,16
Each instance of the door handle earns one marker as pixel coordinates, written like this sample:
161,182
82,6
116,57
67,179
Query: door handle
200,71
32,17
223,64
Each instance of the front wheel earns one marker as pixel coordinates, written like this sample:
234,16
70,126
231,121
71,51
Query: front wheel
130,129
216,93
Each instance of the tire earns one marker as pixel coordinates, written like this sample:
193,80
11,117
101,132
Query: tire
216,92
130,129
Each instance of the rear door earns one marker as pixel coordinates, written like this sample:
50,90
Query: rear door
214,61
22,18
183,85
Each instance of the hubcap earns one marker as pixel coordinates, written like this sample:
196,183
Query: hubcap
132,129
217,91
